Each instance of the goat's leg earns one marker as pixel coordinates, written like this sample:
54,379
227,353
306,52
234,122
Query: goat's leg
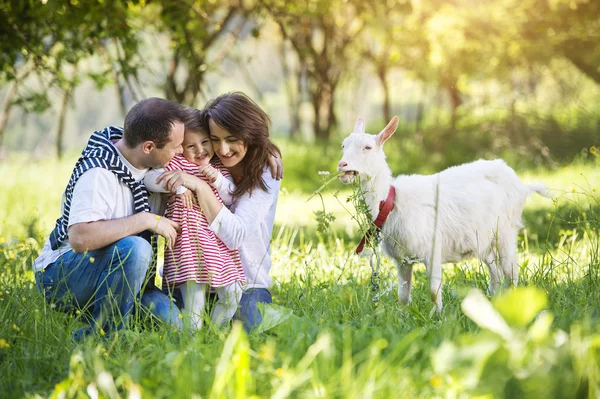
492,264
434,273
508,258
404,281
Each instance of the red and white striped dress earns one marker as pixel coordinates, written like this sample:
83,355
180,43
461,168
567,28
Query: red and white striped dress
198,255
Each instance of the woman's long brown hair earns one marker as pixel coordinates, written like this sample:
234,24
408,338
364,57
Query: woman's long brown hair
244,119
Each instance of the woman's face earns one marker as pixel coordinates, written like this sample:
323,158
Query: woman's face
230,149
197,148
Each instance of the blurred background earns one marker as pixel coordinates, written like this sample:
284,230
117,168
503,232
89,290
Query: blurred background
518,79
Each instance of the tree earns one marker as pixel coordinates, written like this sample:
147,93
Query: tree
384,41
194,28
564,28
322,33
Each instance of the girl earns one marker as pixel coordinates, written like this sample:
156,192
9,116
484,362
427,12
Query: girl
199,259
239,131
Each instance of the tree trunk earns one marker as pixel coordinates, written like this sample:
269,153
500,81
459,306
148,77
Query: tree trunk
420,109
6,107
590,70
63,115
293,95
386,108
455,102
324,106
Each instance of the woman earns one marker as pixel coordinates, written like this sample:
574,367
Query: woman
239,131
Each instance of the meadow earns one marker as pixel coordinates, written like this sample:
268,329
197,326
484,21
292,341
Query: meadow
325,336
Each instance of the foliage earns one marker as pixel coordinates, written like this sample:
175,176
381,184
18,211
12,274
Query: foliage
323,336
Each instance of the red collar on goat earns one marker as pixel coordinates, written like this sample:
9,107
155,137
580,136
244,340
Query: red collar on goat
385,208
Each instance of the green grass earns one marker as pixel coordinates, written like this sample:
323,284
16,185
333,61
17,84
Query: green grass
333,340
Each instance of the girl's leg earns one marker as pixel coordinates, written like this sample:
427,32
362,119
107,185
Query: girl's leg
193,302
228,302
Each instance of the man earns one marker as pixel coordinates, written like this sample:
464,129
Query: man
94,256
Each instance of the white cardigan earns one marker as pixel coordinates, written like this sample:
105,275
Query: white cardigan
248,227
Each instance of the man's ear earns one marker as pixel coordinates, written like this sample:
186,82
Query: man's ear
148,146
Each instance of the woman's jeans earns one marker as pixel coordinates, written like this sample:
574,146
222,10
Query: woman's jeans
106,280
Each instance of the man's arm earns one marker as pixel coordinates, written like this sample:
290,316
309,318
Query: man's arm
93,235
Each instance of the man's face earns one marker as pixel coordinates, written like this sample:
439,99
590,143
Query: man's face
160,157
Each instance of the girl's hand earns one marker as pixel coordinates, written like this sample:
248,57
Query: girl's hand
209,171
188,198
171,180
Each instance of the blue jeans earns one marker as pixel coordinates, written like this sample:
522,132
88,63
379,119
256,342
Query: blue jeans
163,307
248,313
106,280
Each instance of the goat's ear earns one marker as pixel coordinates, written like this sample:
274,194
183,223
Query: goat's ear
387,132
359,126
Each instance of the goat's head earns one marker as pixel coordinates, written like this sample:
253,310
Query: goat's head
363,153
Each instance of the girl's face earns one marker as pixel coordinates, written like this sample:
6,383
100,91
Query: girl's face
230,149
197,147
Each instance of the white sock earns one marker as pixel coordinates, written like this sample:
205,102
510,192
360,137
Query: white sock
193,302
227,304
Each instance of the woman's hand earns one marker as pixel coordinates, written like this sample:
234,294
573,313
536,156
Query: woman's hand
171,180
276,166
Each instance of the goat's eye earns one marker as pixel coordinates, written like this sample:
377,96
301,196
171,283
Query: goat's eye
368,147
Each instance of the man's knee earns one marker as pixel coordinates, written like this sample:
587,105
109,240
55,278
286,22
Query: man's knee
135,252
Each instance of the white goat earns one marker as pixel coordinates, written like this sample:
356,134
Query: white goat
470,210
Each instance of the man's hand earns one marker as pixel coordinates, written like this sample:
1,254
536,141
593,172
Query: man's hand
173,179
209,171
276,166
164,227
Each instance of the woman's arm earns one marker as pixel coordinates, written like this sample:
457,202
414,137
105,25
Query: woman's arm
250,211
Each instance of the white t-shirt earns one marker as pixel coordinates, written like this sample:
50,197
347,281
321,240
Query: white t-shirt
248,227
98,195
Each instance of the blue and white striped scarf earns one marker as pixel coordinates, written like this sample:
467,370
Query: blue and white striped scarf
98,153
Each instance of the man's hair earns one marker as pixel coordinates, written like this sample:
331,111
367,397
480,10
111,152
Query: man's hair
152,120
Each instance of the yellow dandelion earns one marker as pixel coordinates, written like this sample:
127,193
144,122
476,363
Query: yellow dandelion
15,327
549,215
180,316
3,343
92,260
279,372
554,203
102,332
1,240
11,255
174,330
435,381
